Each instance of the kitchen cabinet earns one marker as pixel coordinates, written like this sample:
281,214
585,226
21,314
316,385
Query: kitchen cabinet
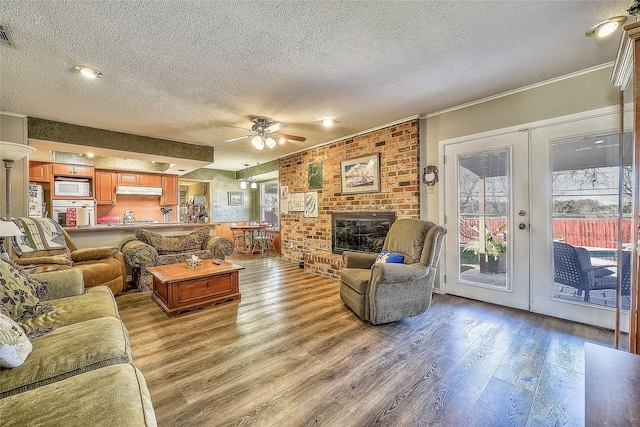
150,180
105,188
140,179
169,190
58,169
39,172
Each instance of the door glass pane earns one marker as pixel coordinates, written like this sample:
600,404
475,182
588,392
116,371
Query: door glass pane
586,185
483,211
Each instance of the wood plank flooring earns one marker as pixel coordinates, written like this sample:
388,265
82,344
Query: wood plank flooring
290,353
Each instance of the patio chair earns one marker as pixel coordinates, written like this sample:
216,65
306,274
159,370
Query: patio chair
572,267
625,273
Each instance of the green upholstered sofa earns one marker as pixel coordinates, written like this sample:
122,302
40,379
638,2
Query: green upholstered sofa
149,249
81,372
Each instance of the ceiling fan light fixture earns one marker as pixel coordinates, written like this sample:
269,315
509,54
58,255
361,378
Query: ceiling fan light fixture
282,140
89,72
270,142
606,27
257,142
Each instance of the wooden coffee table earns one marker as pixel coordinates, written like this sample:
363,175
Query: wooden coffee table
177,288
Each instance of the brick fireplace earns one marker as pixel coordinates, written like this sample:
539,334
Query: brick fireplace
310,239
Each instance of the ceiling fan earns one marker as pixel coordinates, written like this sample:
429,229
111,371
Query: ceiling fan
266,132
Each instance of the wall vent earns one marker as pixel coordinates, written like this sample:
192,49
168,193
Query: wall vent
5,37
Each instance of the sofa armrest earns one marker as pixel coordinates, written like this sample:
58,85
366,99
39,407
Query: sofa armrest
220,247
395,273
62,283
139,254
358,259
93,254
56,260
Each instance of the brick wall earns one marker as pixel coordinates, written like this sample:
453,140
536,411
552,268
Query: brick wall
399,185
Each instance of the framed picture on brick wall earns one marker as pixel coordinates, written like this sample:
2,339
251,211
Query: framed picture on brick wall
314,175
361,174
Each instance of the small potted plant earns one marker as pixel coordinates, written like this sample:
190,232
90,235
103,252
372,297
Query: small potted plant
491,256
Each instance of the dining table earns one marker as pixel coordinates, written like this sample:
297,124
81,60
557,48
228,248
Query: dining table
249,233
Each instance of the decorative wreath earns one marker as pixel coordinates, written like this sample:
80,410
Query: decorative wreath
430,170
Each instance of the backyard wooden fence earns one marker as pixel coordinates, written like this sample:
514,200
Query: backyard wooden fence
596,232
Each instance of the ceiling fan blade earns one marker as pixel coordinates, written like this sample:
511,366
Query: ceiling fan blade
293,138
237,139
238,127
276,127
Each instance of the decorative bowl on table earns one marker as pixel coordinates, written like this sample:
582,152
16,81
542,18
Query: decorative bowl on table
194,262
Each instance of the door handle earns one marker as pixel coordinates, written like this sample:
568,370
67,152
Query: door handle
522,226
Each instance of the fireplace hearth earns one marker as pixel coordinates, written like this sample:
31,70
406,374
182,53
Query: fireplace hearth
360,231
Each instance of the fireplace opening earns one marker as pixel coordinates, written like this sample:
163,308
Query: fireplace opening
359,231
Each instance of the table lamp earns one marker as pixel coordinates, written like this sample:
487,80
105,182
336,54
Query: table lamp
7,229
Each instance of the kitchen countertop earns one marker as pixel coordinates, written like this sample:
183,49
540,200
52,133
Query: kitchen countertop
152,225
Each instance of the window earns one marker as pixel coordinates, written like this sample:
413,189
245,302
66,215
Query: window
269,202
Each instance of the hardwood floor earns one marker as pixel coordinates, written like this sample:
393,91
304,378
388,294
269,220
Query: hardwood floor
290,353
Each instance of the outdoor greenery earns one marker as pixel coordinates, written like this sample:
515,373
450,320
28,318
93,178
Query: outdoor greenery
493,247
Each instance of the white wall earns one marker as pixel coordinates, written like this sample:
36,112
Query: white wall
13,128
574,94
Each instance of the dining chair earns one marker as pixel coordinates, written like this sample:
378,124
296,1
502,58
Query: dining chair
264,241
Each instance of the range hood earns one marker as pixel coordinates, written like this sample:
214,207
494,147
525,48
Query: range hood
139,191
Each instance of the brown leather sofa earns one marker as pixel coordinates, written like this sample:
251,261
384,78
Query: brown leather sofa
100,266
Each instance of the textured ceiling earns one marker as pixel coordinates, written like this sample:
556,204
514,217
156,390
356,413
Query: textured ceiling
183,70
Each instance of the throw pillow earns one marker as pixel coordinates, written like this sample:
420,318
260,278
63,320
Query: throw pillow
16,296
38,287
386,257
14,344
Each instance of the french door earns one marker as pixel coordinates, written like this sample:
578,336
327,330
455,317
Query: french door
487,217
512,199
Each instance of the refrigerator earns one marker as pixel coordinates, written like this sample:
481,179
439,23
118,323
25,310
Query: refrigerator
36,201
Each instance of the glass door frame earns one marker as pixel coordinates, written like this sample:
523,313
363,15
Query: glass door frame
516,292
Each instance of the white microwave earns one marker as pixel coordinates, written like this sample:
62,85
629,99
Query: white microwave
72,188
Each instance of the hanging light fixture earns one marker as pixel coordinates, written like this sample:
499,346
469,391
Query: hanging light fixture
270,142
258,142
247,181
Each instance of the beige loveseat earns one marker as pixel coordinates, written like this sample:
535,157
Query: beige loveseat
79,371
149,249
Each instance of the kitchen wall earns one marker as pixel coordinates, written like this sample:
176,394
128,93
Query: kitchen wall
143,208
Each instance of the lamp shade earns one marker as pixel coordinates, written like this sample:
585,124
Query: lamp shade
243,185
257,142
254,185
12,151
270,142
8,228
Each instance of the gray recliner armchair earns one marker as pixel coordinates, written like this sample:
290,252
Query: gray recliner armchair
383,293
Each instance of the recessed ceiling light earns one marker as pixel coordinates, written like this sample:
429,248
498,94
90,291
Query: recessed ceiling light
327,122
600,141
89,72
89,155
607,27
